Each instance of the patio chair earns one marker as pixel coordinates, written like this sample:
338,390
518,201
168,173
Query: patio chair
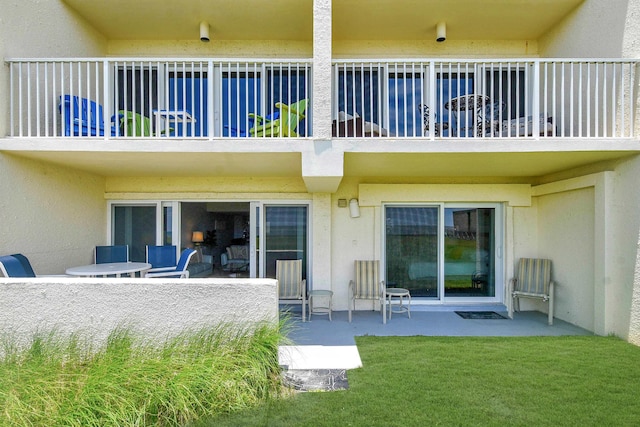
82,116
367,286
180,270
285,125
132,124
161,258
291,285
18,265
114,253
242,133
533,280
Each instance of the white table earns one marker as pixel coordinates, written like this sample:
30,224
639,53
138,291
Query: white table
110,268
398,307
168,117
315,308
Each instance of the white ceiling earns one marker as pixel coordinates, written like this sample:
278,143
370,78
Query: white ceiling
352,19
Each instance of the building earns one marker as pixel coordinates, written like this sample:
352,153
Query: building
447,139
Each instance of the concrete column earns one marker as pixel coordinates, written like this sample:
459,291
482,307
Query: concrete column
321,105
321,238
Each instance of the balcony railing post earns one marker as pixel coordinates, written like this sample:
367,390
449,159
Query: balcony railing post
536,100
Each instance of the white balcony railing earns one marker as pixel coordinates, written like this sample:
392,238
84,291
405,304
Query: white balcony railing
485,98
114,98
151,98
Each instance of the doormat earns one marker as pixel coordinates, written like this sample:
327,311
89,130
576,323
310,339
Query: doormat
480,315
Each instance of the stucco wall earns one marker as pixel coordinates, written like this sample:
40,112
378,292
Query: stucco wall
52,215
596,29
566,234
624,294
152,307
42,29
217,48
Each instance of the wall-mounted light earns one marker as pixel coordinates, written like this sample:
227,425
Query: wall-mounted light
441,31
204,31
354,208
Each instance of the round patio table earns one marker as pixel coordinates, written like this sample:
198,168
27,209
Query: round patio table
109,268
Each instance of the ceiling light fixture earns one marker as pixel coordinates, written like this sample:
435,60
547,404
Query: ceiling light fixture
204,31
441,31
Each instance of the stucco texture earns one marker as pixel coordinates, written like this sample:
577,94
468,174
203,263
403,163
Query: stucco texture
54,216
153,308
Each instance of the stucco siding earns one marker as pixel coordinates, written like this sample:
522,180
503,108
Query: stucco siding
52,215
42,29
624,293
596,29
566,231
154,308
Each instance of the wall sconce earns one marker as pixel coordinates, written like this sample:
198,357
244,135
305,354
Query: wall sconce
204,31
354,208
441,31
197,237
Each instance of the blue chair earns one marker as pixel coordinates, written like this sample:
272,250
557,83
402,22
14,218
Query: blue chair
117,253
82,117
161,258
16,265
180,270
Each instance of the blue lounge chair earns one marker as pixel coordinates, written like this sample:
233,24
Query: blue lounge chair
82,117
180,270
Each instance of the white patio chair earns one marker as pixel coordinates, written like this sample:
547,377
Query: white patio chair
291,285
533,280
367,286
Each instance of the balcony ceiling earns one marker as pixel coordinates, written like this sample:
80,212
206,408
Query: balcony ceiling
384,159
352,19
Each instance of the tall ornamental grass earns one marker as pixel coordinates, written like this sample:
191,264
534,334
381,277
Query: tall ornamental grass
134,382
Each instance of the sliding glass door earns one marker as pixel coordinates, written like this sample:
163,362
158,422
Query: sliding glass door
285,236
443,252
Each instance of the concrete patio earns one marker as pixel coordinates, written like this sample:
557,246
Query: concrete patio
330,345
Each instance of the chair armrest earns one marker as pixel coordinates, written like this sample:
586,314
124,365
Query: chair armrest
258,118
287,108
177,274
161,269
351,285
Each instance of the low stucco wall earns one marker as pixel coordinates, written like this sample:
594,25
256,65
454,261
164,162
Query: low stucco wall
152,307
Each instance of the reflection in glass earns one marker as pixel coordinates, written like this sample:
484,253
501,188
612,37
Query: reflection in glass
285,236
412,249
469,242
134,226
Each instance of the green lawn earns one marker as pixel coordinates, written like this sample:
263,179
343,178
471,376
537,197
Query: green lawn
460,381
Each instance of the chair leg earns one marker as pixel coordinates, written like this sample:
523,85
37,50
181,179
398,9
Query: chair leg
511,303
351,302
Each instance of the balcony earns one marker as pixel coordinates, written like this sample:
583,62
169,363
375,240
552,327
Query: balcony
133,98
494,99
427,100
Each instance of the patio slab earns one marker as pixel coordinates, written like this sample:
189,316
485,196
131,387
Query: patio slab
324,344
